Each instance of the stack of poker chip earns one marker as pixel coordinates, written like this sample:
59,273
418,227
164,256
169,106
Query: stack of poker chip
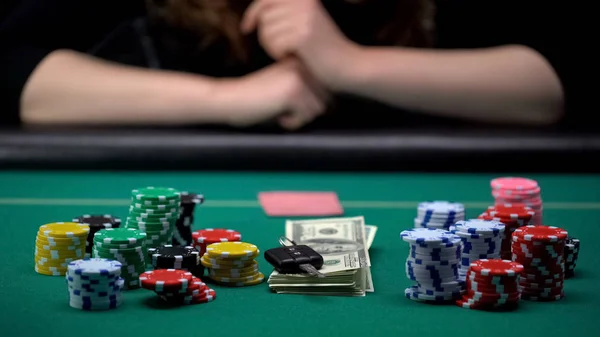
57,244
512,217
177,287
433,264
207,236
232,264
186,258
94,284
439,214
154,211
182,236
571,254
492,285
540,249
519,192
96,223
126,245
481,239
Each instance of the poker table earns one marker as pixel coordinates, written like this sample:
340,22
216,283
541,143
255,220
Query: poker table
37,305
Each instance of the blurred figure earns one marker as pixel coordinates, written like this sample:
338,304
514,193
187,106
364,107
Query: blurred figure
243,62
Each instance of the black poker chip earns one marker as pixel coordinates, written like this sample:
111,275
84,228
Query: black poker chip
571,253
182,236
188,198
99,220
96,222
172,257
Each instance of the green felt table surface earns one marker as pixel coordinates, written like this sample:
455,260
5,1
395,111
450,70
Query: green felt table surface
37,305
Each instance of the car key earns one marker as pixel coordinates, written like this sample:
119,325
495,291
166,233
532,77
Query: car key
295,259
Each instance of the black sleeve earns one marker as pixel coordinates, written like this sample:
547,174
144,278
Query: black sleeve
543,26
35,28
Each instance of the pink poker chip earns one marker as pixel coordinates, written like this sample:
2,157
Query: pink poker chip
514,184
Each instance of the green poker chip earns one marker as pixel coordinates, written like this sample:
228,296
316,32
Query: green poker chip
120,235
156,194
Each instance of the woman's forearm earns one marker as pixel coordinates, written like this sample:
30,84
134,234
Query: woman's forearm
511,84
72,88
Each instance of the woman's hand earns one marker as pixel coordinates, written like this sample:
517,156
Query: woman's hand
283,91
304,29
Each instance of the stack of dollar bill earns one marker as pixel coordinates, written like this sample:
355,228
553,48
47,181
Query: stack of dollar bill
344,244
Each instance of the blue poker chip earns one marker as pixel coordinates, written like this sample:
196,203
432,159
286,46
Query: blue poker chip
433,257
438,249
429,236
414,293
490,248
95,267
479,226
441,207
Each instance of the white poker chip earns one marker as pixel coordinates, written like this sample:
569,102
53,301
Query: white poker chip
95,266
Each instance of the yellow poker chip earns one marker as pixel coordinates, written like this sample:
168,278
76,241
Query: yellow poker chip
59,250
223,279
223,264
54,255
52,268
231,250
42,246
64,229
257,279
59,246
234,269
43,264
219,273
48,272
60,241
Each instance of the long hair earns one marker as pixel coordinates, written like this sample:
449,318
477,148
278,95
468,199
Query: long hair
194,27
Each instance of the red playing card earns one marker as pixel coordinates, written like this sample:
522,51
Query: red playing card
288,203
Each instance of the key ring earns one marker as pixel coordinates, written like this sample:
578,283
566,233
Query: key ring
283,239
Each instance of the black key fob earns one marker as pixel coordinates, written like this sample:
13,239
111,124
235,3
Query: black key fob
293,259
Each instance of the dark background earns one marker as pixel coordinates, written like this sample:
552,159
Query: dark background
413,143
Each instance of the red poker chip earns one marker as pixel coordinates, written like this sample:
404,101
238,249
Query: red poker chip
493,284
538,246
491,289
166,279
213,235
526,253
194,287
533,277
491,296
499,279
540,287
474,303
515,198
509,223
538,259
536,204
522,240
208,296
550,298
544,275
553,278
540,292
496,267
511,211
534,193
541,233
